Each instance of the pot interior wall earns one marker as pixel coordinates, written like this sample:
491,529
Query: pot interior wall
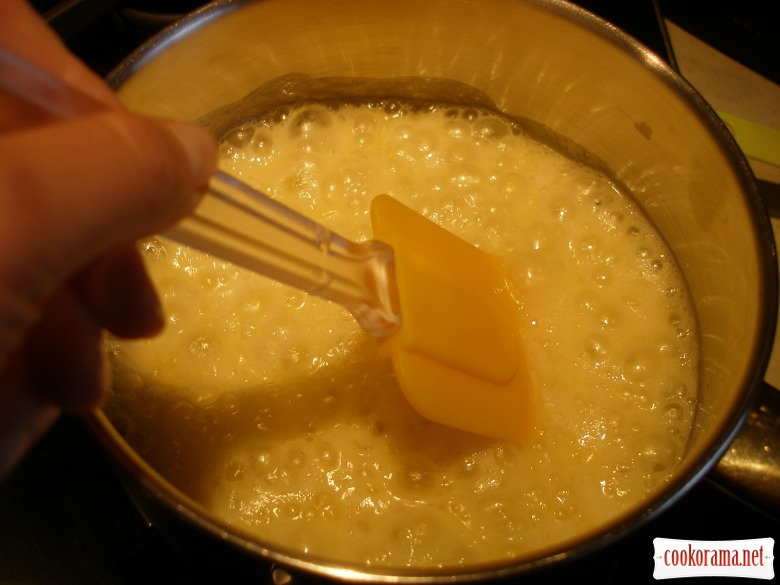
543,61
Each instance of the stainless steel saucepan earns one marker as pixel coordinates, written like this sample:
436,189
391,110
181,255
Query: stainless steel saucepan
550,63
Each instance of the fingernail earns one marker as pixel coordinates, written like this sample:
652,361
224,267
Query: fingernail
199,146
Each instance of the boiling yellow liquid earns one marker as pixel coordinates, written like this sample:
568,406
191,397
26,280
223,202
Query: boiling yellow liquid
274,410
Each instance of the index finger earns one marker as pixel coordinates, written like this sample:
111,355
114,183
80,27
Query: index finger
75,189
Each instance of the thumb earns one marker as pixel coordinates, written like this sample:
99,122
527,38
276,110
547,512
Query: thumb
72,190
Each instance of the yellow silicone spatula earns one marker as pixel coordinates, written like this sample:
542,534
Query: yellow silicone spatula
439,306
457,354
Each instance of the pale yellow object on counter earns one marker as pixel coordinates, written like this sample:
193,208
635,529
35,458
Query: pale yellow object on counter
758,142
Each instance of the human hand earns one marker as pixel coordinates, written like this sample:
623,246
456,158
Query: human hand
74,195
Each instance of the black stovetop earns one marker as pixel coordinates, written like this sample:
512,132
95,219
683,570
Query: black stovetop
65,520
64,516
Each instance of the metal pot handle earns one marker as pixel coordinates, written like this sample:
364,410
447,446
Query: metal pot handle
750,469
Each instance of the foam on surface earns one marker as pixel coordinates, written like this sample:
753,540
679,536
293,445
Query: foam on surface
274,409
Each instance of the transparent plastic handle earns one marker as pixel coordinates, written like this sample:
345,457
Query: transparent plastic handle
248,228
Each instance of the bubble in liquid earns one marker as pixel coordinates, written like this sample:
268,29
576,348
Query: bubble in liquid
154,248
511,185
277,116
226,151
323,505
296,457
491,127
674,291
657,453
310,120
641,366
241,137
596,349
262,460
466,176
601,198
563,210
459,154
495,507
252,305
424,142
402,147
602,277
457,128
295,300
676,391
183,412
364,137
608,318
296,356
459,511
468,466
611,219
403,133
229,404
584,301
393,108
327,456
562,506
263,144
470,114
673,413
234,471
589,246
200,347
364,124
292,510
